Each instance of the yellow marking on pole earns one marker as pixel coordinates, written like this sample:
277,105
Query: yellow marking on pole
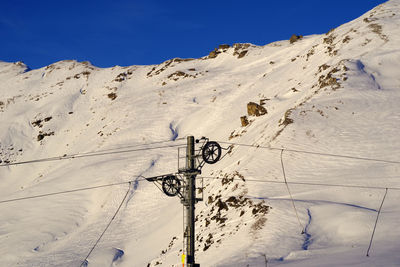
183,260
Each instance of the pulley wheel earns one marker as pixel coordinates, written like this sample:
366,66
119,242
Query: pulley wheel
211,152
171,185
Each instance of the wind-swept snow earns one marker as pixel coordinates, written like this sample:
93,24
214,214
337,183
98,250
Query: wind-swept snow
334,94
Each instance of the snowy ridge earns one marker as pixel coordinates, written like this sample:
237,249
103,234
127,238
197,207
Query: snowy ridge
335,93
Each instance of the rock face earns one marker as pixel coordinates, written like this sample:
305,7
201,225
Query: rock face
223,46
240,50
242,54
214,53
244,121
295,38
254,109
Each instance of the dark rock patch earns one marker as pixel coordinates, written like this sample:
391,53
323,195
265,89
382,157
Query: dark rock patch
295,38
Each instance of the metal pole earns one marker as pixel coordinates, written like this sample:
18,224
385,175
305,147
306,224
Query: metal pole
191,201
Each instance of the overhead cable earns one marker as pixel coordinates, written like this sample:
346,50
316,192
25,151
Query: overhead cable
130,146
376,222
306,183
85,261
91,154
314,153
205,177
290,194
65,192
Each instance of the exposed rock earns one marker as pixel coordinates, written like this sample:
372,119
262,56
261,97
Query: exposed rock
42,135
254,109
236,202
165,65
239,46
261,208
240,50
330,31
376,28
86,73
209,241
214,53
286,118
177,59
234,134
244,121
263,101
346,39
328,80
331,47
329,40
221,205
242,54
295,38
323,67
223,46
179,74
112,96
121,77
37,123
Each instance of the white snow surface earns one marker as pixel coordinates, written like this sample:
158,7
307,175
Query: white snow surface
336,93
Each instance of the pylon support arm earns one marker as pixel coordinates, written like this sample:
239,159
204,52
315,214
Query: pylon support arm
157,178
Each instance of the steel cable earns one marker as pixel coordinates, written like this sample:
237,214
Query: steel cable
290,194
376,222
85,261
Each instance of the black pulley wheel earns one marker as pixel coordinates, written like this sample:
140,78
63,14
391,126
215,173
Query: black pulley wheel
211,152
171,185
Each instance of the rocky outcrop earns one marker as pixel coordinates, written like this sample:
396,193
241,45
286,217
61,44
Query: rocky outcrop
254,109
244,121
214,53
295,38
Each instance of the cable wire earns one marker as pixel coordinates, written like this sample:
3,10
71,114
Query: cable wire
305,183
376,222
106,152
198,177
130,146
93,154
314,153
290,194
85,261
64,192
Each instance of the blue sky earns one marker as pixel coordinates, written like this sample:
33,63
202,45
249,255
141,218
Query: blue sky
122,32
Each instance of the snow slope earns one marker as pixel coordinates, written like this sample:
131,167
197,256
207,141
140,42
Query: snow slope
335,94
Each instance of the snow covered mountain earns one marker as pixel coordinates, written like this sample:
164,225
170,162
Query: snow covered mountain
335,94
